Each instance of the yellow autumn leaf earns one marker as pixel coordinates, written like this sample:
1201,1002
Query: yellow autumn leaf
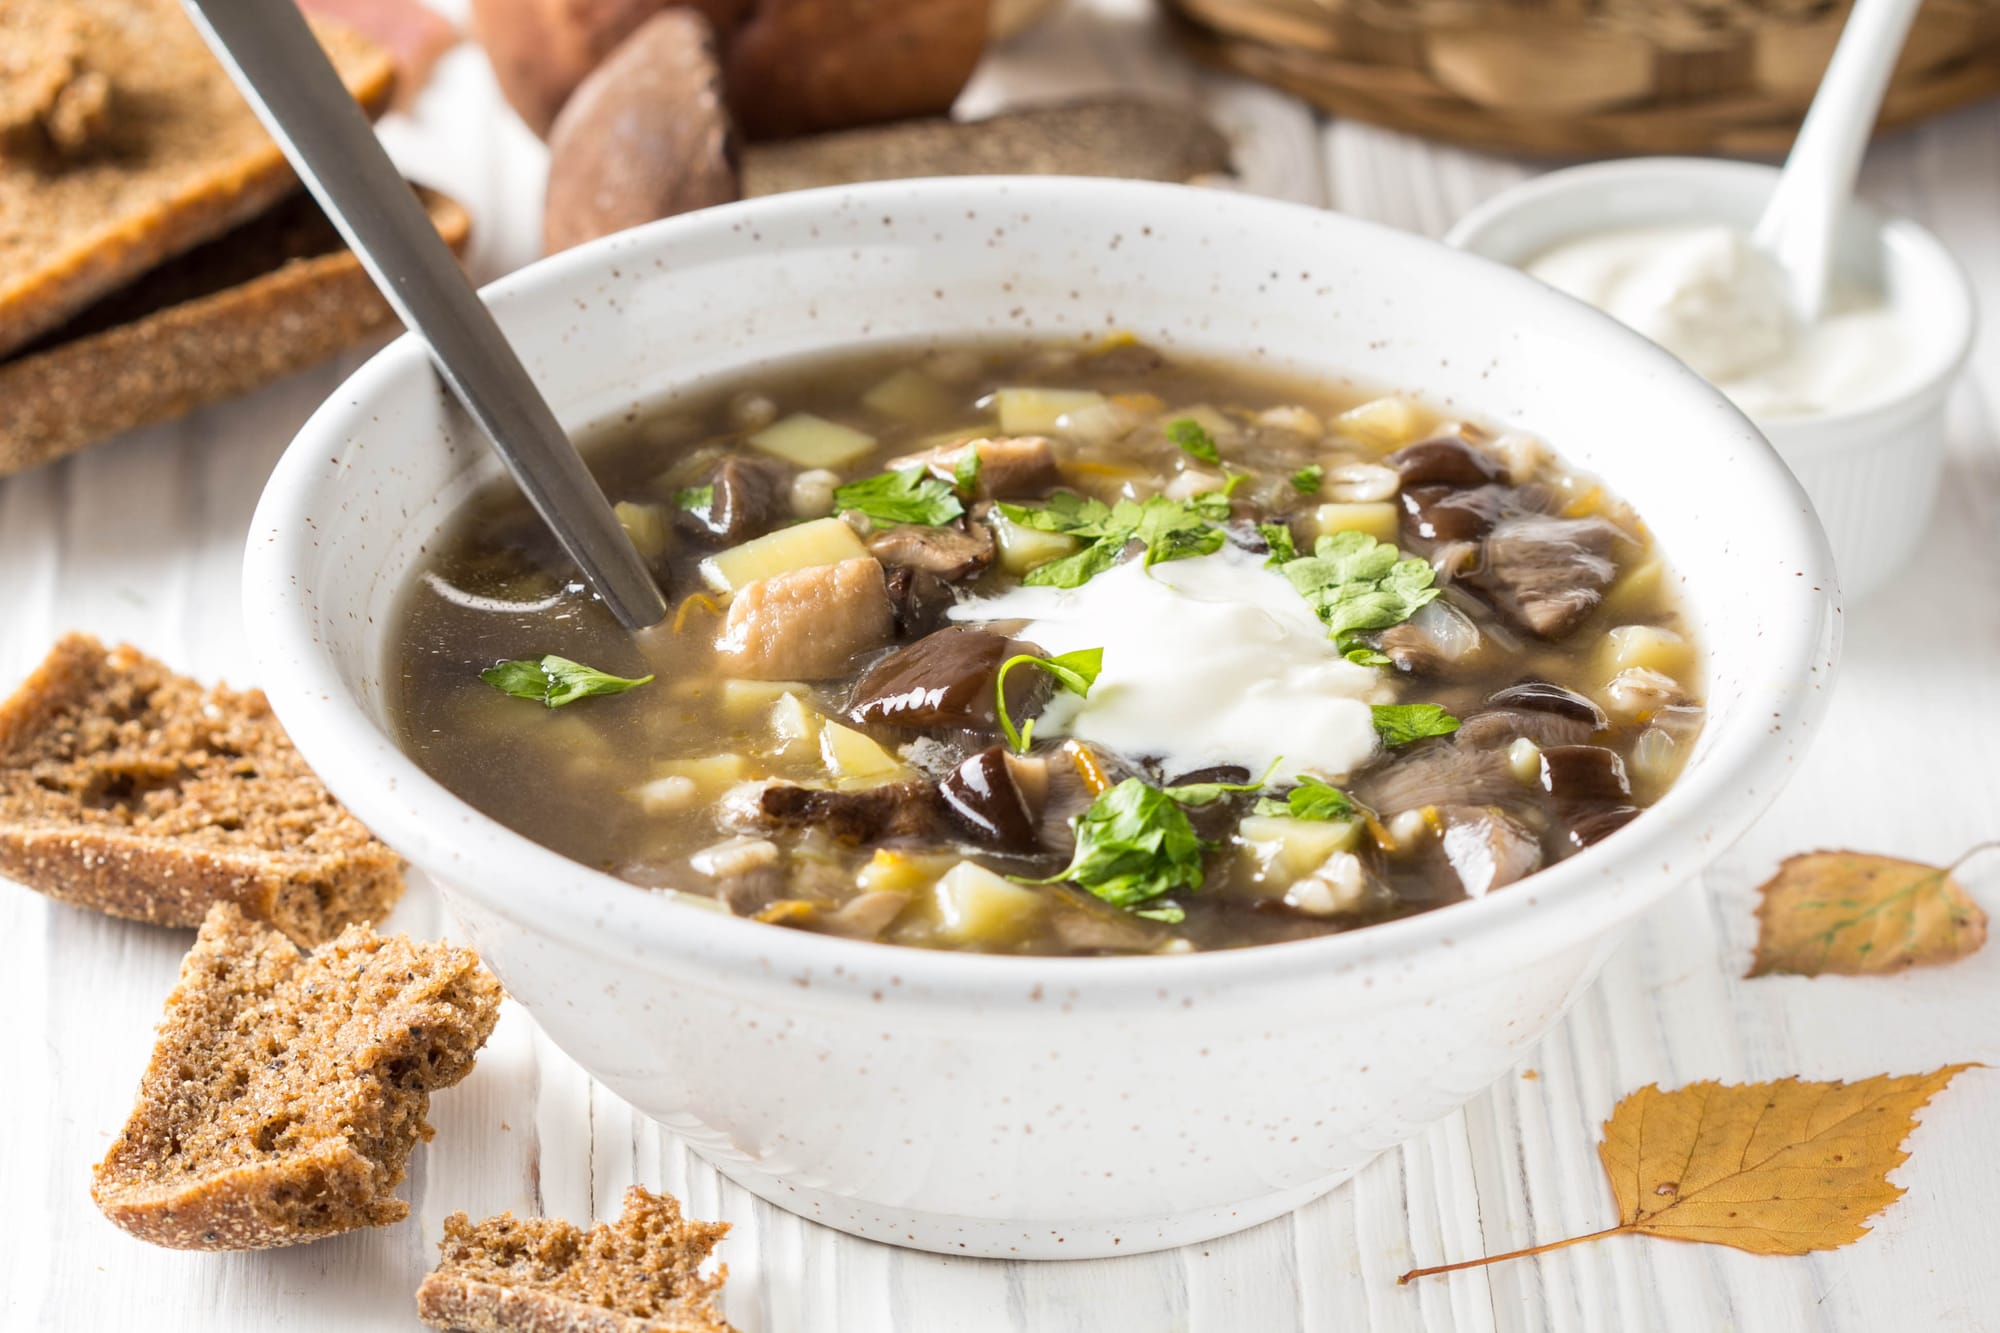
1858,915
1772,1168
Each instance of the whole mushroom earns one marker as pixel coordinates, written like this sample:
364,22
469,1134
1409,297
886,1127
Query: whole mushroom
543,49
794,66
645,136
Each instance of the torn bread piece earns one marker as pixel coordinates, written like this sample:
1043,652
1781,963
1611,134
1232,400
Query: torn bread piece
134,791
640,1274
276,295
287,1091
173,156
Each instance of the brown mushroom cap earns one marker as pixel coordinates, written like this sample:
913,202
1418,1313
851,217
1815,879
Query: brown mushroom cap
645,136
803,66
543,49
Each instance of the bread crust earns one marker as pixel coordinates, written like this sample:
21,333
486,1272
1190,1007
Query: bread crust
133,791
639,1274
165,364
287,1091
182,160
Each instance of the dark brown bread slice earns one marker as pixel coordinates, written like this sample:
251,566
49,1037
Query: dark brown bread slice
274,296
173,157
286,1091
640,1274
134,791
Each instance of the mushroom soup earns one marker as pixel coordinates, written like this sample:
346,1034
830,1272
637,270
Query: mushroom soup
1055,650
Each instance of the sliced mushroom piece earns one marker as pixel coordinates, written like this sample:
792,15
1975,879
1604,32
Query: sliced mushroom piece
1441,773
919,600
1545,574
1445,462
1011,467
1437,637
864,916
1545,713
1579,775
987,801
1487,847
1082,924
1591,829
645,136
952,551
1215,820
809,624
746,498
1442,515
945,680
863,815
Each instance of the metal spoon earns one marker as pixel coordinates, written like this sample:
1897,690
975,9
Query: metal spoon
275,60
1799,222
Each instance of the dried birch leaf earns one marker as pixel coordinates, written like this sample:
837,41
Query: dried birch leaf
1859,915
1772,1168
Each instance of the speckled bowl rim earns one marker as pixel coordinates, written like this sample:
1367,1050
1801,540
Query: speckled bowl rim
1740,769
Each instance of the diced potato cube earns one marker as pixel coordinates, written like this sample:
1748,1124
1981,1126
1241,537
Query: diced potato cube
667,795
1022,548
897,872
1380,519
823,541
1646,646
1220,426
795,727
812,441
855,760
746,698
647,526
711,775
1194,481
974,905
1637,590
1025,411
910,395
1386,423
1283,850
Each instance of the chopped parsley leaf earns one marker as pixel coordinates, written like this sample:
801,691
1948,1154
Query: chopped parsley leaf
1168,529
909,495
1193,439
1311,799
1306,480
1403,724
1278,536
1075,672
555,681
1357,584
1134,845
965,472
695,499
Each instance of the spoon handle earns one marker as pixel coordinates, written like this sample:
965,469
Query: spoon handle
275,60
1800,222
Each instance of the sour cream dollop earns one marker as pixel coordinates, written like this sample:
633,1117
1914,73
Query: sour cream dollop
1214,660
1710,297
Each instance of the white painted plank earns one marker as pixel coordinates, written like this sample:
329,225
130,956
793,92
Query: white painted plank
141,540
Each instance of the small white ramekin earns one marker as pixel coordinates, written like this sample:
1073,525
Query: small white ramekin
1873,473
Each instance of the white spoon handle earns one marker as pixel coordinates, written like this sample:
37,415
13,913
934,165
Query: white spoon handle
1800,222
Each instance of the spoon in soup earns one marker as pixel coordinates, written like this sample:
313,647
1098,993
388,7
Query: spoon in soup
275,60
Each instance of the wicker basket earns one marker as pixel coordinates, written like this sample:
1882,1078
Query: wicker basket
1586,76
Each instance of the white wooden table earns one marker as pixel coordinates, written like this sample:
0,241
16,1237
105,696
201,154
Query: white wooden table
140,540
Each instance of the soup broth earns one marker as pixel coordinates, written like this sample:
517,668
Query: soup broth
1062,650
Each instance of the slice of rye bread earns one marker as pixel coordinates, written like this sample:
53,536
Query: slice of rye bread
286,1091
176,157
640,1274
134,791
276,295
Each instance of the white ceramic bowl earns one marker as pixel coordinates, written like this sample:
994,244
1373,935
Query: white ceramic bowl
1872,473
1040,1106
